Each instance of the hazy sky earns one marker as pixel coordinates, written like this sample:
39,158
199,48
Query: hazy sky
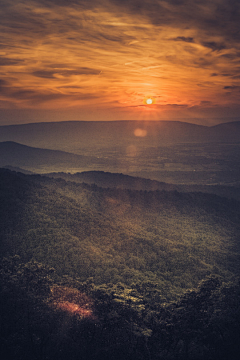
101,60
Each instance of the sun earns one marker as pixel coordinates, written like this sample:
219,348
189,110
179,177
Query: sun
149,100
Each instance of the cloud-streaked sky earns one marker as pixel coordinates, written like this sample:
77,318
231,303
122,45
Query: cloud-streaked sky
101,59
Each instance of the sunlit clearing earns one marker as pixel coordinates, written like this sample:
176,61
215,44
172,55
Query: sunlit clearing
140,132
74,309
71,301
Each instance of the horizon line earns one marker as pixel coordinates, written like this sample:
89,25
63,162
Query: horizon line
137,120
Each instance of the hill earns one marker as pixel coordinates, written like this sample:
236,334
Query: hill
169,238
17,169
178,164
41,160
77,135
122,181
226,131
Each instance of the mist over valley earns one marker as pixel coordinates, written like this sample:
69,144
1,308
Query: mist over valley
172,152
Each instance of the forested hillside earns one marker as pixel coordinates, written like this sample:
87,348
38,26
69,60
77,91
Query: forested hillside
42,319
123,181
92,273
172,239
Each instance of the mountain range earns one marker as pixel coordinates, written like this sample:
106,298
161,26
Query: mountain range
79,135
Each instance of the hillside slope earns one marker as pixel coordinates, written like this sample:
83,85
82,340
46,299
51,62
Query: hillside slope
122,181
37,159
172,239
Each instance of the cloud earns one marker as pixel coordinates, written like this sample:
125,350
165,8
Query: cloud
4,61
234,74
44,74
3,83
232,87
84,4
231,56
214,46
206,102
70,87
185,39
111,38
185,12
51,74
218,17
32,97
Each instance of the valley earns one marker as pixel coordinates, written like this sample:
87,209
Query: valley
120,241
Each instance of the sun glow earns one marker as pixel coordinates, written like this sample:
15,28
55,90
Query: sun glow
149,100
48,72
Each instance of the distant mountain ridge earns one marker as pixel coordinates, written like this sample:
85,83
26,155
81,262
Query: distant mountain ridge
82,134
18,155
18,169
122,181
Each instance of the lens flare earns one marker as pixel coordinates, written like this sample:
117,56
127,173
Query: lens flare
140,132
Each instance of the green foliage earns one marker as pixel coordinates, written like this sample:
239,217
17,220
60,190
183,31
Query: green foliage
171,239
128,322
24,315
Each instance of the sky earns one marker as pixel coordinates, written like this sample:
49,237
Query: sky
104,59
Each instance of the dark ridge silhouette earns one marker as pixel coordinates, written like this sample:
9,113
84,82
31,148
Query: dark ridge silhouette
18,155
122,181
18,169
226,131
81,134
